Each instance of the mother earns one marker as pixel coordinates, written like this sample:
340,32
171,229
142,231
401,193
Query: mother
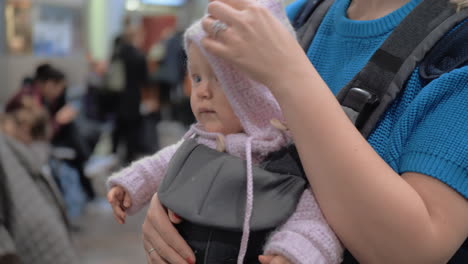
398,197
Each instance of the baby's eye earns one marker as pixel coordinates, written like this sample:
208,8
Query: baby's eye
196,78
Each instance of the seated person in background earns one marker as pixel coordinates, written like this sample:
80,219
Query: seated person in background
27,124
47,90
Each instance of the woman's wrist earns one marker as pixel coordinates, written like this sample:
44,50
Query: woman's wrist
294,79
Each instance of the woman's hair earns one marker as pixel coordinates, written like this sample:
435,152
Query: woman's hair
45,72
460,3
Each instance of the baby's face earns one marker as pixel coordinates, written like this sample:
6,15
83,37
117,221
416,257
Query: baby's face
209,104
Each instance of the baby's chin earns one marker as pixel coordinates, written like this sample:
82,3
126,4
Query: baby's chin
218,129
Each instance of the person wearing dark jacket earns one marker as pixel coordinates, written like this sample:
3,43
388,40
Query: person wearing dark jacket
47,90
128,121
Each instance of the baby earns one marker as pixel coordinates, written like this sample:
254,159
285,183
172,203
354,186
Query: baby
234,178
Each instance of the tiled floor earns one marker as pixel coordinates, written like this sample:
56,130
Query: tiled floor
102,240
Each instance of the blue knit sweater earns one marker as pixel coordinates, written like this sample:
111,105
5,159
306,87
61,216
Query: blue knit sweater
426,128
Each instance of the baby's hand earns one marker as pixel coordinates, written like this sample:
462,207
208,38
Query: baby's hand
273,259
120,201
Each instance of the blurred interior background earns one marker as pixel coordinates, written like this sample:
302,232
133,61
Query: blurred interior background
82,48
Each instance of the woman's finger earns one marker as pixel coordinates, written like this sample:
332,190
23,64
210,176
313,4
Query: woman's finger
208,27
175,219
159,229
265,259
236,4
159,219
155,241
220,10
280,260
152,257
215,47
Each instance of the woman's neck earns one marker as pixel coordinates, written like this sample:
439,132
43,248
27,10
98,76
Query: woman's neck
373,9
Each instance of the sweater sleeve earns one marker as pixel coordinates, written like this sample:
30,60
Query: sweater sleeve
306,237
434,132
142,178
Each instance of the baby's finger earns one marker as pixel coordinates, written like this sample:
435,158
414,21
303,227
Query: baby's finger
119,212
115,196
118,219
111,195
127,200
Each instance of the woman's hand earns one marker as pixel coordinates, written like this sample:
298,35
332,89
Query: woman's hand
255,40
162,242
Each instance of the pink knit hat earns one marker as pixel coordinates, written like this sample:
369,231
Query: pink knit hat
251,101
253,104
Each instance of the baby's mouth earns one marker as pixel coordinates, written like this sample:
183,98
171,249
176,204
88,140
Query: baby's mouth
206,111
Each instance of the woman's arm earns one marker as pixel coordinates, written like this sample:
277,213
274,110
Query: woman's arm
380,216
142,178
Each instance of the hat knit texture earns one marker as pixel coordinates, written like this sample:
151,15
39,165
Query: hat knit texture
253,104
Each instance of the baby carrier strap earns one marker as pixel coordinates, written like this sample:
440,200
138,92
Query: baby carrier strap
308,20
450,53
365,98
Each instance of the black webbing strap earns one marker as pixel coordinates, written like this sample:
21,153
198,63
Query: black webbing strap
375,87
448,54
308,20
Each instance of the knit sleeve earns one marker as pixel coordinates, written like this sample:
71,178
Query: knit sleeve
142,178
435,136
306,237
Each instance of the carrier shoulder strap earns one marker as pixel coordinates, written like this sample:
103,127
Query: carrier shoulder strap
365,98
308,20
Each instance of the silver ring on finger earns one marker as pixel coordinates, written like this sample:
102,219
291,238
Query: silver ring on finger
217,27
151,250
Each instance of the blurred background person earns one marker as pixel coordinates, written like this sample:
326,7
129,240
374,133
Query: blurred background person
47,91
127,74
76,38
